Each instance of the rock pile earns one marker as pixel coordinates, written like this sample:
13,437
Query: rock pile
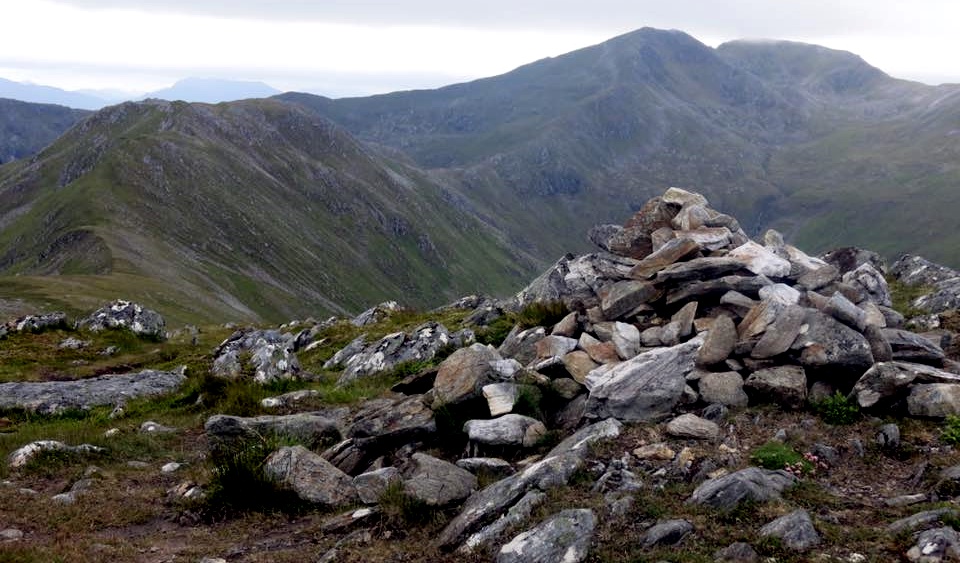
681,311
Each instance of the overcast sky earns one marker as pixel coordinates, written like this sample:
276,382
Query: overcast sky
359,47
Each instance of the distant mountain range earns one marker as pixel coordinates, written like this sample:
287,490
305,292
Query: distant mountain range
304,205
207,90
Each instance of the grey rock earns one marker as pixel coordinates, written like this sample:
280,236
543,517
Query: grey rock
600,352
227,433
747,285
781,333
72,343
779,293
575,280
919,519
371,485
938,544
828,342
651,337
795,531
698,269
915,270
840,308
512,430
724,388
501,397
48,397
566,537
492,533
887,381
754,484
760,260
645,387
934,400
626,340
910,347
870,281
783,385
555,346
269,354
671,252
738,552
38,323
420,345
684,319
692,426
718,343
10,535
667,532
625,296
521,345
462,375
382,424
486,465
710,238
311,477
288,399
554,470
566,388
24,454
124,314
888,436
436,482
376,314
879,345
568,326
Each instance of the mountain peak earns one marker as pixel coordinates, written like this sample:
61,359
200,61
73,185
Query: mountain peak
214,90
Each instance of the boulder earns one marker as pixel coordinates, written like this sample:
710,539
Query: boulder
870,281
371,485
842,309
38,323
521,345
782,385
780,335
938,544
934,400
124,314
376,314
311,477
575,281
795,531
486,465
513,430
436,482
646,387
739,552
462,375
827,342
269,355
666,532
725,388
501,397
910,347
566,537
751,484
227,433
885,382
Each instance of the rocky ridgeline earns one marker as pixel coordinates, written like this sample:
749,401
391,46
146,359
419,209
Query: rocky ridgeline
679,319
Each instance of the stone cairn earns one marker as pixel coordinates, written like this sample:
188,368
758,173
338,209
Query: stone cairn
680,311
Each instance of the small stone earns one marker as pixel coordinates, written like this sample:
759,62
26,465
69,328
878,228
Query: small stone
658,451
889,436
151,427
10,535
719,342
723,388
692,426
170,467
668,532
795,531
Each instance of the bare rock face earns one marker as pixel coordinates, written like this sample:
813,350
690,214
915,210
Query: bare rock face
124,314
311,477
565,537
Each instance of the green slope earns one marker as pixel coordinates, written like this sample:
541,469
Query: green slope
25,128
256,210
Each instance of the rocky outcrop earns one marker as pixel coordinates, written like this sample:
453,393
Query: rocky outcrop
124,314
50,397
266,354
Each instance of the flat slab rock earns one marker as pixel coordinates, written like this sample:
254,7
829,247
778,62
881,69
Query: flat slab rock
48,397
565,537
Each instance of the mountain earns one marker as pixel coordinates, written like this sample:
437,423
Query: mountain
48,95
26,128
249,210
213,90
807,139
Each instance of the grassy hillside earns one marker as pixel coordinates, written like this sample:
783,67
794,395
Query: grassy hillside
249,210
26,128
